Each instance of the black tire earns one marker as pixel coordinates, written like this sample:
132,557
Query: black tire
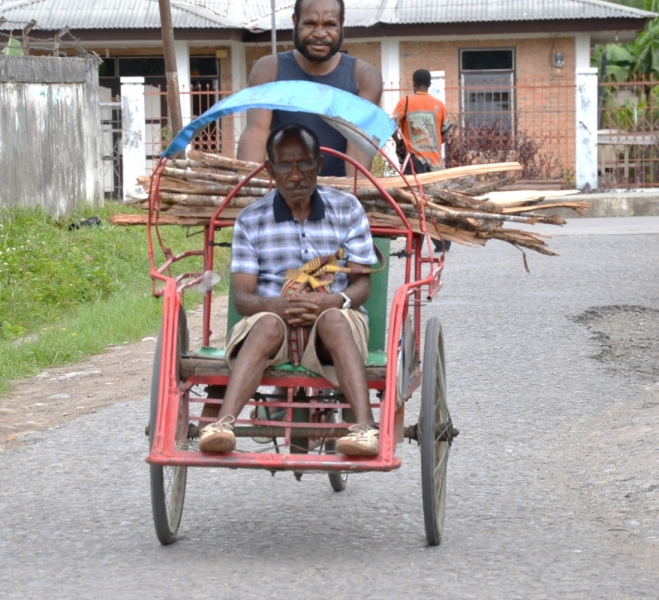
167,483
338,479
435,430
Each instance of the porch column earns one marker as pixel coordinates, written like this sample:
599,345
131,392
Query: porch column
133,124
182,51
390,59
582,50
238,82
586,128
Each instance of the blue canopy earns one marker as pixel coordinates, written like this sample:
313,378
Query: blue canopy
358,120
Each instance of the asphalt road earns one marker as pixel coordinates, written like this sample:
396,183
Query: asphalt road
524,517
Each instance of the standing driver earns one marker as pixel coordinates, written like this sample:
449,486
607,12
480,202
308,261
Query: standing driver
318,36
293,224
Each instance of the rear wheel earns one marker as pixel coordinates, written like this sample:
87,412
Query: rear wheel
168,483
435,432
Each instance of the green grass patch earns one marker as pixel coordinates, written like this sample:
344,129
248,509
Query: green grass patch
67,294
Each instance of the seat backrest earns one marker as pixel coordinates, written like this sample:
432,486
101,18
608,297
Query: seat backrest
376,304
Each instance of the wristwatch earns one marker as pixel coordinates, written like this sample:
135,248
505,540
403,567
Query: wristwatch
348,303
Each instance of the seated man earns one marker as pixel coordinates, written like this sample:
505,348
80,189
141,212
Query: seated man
290,226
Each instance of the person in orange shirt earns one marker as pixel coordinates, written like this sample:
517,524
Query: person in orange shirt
424,122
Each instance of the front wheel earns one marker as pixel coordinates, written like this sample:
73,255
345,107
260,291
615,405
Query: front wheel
167,483
435,432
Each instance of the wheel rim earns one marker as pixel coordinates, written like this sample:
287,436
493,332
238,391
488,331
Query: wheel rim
174,480
435,430
168,483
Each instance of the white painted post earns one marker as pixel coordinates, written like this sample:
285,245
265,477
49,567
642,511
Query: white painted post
238,82
438,85
133,126
182,52
586,128
438,90
390,59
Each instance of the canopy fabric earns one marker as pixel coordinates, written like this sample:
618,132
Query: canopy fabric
360,121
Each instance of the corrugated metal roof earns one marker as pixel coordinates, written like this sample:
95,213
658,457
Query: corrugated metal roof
362,12
255,14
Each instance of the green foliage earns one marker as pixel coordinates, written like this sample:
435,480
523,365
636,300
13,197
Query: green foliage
65,294
638,59
13,48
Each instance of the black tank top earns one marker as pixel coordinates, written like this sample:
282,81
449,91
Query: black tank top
343,78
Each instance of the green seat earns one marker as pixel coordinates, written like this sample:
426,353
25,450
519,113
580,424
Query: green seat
376,305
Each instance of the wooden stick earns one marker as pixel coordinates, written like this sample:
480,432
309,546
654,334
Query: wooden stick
461,200
197,200
432,177
205,175
479,190
224,162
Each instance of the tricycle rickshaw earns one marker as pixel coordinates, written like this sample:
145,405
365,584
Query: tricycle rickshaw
313,413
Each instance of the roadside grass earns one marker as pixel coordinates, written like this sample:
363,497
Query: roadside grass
65,295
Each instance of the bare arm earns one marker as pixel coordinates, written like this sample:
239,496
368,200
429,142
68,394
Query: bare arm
248,303
251,146
303,309
369,87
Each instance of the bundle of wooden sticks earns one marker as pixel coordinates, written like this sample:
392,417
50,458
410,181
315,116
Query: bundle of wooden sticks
456,208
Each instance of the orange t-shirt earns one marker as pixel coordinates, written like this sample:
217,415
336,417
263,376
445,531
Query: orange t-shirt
421,125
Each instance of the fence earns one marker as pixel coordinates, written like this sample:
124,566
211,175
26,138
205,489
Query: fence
628,134
537,124
496,121
111,146
49,133
218,137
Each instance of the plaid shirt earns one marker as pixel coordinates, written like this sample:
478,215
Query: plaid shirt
268,240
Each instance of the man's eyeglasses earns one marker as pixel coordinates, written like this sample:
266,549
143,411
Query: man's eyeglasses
286,168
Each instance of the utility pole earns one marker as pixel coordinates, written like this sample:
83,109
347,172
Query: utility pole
173,97
273,34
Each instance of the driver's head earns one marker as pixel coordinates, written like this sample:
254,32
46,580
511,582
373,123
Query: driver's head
294,162
318,28
301,133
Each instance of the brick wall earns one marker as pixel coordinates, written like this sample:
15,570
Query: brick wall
543,97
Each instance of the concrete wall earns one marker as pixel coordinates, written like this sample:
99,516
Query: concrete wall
50,136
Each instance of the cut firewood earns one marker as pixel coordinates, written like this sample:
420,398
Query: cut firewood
191,190
435,176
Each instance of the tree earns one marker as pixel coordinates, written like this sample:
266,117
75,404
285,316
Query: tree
621,62
13,48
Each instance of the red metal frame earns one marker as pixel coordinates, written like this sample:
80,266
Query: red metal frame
164,450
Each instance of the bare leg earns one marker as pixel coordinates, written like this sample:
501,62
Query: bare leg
262,343
336,336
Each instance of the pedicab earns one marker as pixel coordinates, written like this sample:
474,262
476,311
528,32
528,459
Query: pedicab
312,413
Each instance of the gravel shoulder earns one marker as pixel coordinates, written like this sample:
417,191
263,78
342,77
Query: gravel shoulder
63,394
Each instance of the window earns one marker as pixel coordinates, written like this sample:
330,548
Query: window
487,79
142,67
107,68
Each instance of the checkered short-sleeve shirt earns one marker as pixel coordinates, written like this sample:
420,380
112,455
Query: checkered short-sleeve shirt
268,240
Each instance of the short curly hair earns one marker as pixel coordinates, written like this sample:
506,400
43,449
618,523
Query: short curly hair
422,77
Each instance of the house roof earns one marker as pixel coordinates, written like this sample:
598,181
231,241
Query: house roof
256,14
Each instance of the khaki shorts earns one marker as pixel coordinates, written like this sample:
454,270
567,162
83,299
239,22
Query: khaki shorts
310,360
